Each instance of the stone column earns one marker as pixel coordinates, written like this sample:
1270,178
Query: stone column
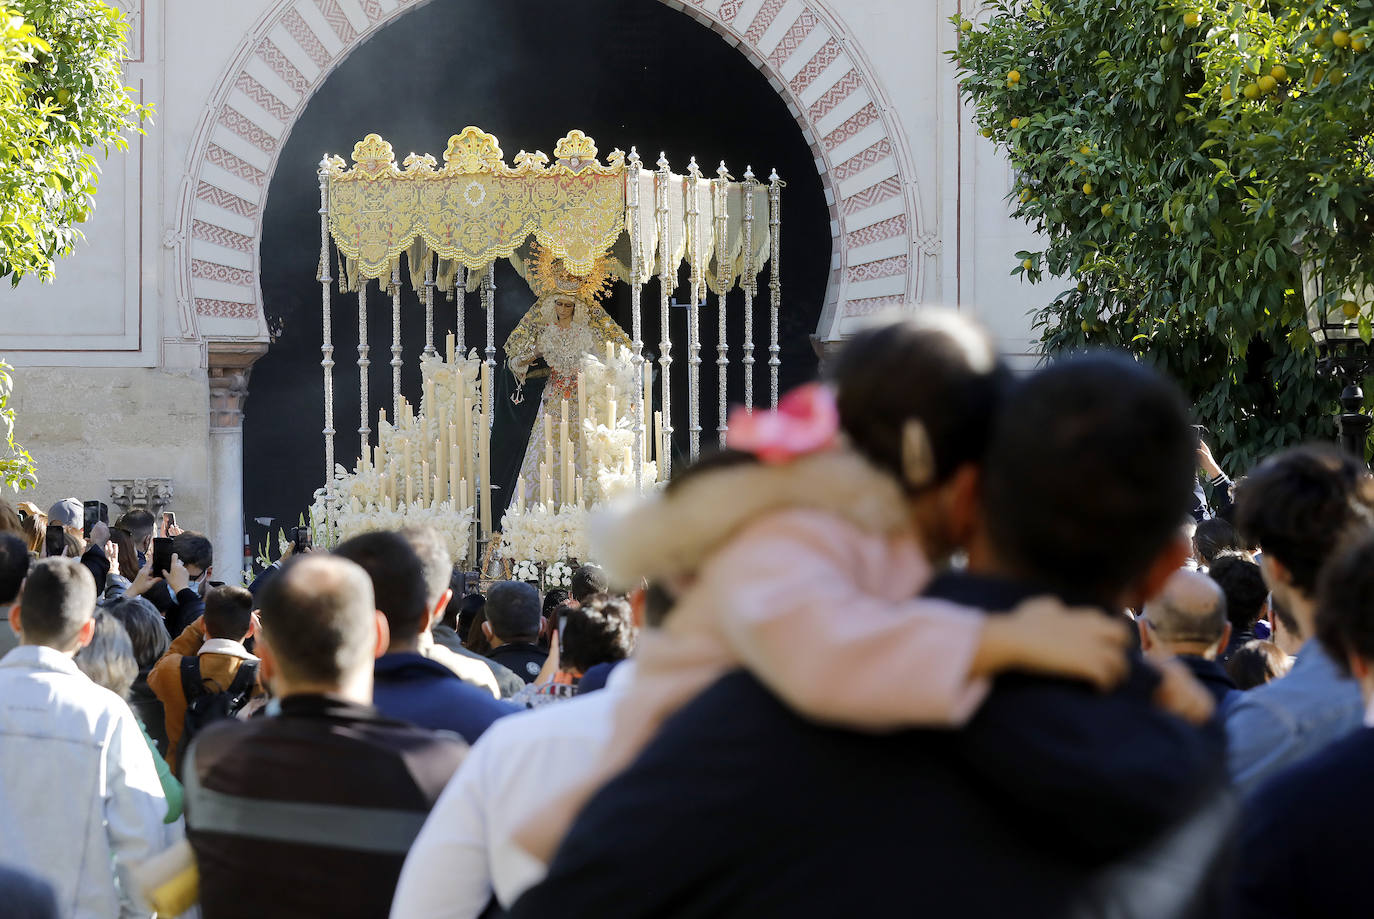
229,366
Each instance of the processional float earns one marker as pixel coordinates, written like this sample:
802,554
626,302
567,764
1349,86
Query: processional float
451,223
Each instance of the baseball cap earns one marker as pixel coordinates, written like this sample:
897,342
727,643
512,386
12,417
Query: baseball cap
69,512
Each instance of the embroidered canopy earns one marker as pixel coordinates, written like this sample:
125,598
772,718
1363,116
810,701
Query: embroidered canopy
475,209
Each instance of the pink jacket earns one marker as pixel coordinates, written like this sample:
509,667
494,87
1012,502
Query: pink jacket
806,574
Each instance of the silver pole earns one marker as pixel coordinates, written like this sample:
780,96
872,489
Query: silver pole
667,281
750,285
694,313
460,296
636,323
721,187
364,426
429,305
326,348
775,186
396,342
489,304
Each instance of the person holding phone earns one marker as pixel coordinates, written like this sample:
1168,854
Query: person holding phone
175,578
70,513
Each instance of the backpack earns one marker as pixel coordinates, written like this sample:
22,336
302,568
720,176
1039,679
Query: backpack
205,706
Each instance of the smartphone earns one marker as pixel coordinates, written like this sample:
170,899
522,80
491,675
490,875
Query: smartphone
55,541
162,555
93,511
169,520
300,539
562,627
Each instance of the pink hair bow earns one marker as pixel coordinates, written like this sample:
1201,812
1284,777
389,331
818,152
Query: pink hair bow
806,421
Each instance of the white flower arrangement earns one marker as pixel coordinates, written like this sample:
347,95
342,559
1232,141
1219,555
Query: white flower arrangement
353,518
543,535
559,574
525,570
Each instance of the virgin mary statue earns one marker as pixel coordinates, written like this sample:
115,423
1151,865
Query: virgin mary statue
565,325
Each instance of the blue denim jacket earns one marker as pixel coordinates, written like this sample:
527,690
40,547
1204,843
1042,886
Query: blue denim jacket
1274,726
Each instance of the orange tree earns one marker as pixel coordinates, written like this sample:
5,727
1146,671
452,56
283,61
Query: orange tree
1181,159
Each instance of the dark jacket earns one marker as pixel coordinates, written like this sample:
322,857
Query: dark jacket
1304,846
26,896
98,564
177,611
1212,677
523,658
1044,805
310,812
506,680
411,687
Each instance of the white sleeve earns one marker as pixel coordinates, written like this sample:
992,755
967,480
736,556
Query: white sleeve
134,807
447,873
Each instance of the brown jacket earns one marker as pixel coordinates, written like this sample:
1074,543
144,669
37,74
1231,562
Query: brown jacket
217,671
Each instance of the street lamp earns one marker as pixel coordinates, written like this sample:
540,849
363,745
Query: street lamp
1333,318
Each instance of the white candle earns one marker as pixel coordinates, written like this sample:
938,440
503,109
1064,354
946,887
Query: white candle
610,352
424,482
548,439
578,486
463,497
658,436
438,489
520,494
410,490
610,407
454,495
546,485
449,350
629,460
567,496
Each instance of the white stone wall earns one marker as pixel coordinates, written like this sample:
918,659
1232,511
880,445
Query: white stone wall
916,196
85,426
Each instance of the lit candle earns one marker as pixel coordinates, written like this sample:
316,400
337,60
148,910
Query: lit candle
438,488
610,407
546,485
520,494
463,497
450,343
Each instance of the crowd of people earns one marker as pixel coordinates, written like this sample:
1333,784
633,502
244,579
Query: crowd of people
930,638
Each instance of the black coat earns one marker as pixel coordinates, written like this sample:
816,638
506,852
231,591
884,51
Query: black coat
1044,805
1304,843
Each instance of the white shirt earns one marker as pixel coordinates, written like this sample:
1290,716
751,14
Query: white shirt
77,785
465,850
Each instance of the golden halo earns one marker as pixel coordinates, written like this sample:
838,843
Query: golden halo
548,276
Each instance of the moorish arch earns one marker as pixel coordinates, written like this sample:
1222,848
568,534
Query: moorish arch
879,243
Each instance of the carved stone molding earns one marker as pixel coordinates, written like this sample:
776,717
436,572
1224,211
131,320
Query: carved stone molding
229,367
153,495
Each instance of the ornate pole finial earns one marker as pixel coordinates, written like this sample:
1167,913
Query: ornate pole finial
748,173
634,159
663,161
693,169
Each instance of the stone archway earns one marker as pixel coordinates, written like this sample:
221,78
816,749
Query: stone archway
803,50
